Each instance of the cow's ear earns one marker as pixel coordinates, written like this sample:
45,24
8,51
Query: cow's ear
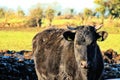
69,35
102,35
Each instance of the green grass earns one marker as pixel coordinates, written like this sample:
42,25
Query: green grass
21,39
113,42
16,40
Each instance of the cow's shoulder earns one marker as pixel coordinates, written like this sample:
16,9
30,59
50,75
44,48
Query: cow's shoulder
48,39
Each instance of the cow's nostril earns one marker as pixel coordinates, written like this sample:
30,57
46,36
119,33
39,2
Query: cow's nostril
84,64
81,64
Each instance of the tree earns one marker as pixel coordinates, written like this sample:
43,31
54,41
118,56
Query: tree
99,2
59,13
36,14
20,12
2,12
87,14
9,14
101,10
71,11
114,7
50,13
111,6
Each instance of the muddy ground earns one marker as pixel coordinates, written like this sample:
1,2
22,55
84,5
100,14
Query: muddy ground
20,66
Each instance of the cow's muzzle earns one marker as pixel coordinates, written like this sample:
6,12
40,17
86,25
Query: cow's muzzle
85,65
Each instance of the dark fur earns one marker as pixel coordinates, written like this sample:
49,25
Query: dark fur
55,56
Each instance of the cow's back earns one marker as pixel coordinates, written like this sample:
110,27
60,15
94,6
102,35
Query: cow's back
54,56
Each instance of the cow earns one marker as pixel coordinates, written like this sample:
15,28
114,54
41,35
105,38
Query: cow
109,56
68,54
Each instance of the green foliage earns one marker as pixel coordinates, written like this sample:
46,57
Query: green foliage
2,12
71,11
87,12
114,7
50,13
20,13
99,2
111,6
59,14
36,12
31,22
45,17
10,14
101,10
35,16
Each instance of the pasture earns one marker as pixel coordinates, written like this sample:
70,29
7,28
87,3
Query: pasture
16,39
21,39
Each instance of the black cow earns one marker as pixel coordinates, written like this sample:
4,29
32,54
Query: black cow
73,54
110,56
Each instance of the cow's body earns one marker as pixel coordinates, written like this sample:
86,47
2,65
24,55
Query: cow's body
57,58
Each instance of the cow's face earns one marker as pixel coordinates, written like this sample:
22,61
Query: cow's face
85,46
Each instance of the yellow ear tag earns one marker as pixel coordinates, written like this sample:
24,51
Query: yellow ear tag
69,39
100,39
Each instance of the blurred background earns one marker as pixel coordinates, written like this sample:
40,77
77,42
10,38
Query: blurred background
21,20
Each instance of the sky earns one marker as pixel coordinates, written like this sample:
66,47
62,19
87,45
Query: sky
25,5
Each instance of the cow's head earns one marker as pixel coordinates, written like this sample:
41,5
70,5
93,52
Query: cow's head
85,46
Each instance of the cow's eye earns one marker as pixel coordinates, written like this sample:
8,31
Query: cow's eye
92,29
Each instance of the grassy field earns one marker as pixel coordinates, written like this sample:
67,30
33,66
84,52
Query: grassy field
113,42
21,39
16,40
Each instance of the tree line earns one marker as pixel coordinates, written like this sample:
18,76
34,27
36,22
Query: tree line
104,9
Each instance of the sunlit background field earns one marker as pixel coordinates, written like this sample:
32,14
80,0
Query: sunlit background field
16,40
20,23
21,39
